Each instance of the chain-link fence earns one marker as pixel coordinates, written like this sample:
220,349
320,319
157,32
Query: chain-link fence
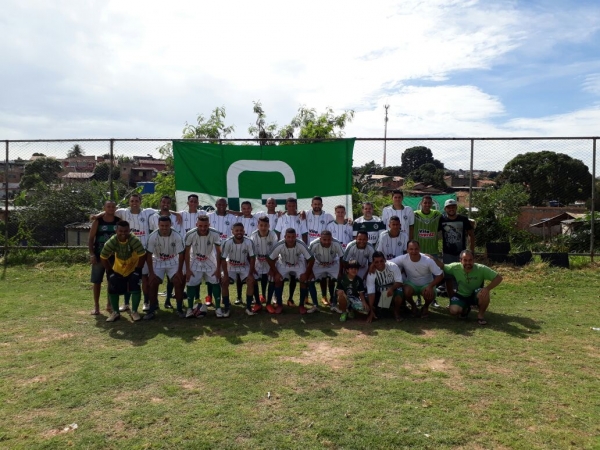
537,193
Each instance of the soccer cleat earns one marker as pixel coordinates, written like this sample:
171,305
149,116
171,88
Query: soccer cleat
219,313
270,309
146,307
136,316
435,304
262,299
237,301
313,309
325,301
226,312
124,308
350,314
302,310
113,317
278,309
343,317
168,304
335,309
181,313
200,310
256,308
189,313
208,300
150,315
163,294
290,302
249,312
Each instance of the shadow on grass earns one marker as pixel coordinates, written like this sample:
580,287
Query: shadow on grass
238,325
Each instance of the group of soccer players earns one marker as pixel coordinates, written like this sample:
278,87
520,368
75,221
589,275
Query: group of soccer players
371,265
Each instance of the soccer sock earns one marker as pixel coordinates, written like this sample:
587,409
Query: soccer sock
264,280
210,289
256,295
127,296
270,292
114,302
169,290
192,293
226,303
146,299
293,283
179,305
136,297
303,295
279,295
238,287
324,288
312,290
215,291
249,302
332,292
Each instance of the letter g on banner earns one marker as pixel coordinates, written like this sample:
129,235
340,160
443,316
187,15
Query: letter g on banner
252,165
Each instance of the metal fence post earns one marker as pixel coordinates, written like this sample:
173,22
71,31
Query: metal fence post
593,218
110,170
471,178
6,207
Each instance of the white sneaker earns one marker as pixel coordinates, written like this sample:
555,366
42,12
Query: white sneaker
146,307
237,302
335,309
201,310
312,309
189,313
135,316
124,308
250,312
219,313
113,317
226,313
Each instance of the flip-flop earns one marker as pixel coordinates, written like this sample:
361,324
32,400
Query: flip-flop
95,313
482,321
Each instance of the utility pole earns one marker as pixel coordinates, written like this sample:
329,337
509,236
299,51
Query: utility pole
385,134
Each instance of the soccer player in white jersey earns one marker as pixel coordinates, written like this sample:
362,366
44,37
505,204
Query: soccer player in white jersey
404,213
327,252
290,257
361,251
190,215
373,225
422,276
237,262
165,256
273,215
291,219
386,278
264,240
392,241
340,229
203,262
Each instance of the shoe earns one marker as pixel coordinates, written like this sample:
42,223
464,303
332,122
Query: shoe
419,304
124,308
350,314
168,304
465,313
208,300
436,304
226,312
189,313
250,312
290,302
146,307
302,310
163,294
201,310
262,299
113,317
270,309
219,313
343,317
136,316
325,301
278,309
149,316
256,308
313,309
335,309
237,302
181,313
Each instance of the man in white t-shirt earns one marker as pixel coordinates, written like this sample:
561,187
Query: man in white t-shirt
404,213
422,276
384,288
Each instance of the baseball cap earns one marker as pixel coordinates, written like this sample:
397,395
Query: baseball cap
450,202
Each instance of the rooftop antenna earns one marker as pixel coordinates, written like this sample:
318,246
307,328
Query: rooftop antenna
385,134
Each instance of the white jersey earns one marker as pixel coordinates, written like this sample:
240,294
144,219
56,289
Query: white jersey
326,256
419,272
153,223
364,256
384,279
203,252
250,223
406,216
290,256
165,249
392,246
295,222
222,224
237,254
273,218
373,226
341,232
263,246
138,223
316,224
189,219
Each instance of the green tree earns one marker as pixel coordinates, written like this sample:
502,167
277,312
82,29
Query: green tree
308,124
103,169
549,176
38,154
75,152
430,175
267,132
41,171
415,157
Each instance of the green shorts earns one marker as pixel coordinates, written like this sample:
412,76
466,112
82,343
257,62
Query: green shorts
419,289
463,302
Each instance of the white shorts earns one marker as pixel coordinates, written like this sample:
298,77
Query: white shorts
261,265
200,275
324,271
286,269
169,271
242,271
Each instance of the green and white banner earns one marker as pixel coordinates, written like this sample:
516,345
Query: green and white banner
255,173
438,201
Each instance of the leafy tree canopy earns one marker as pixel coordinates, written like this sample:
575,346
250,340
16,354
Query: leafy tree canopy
41,170
415,157
75,152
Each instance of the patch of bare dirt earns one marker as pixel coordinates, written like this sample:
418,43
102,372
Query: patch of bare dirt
322,353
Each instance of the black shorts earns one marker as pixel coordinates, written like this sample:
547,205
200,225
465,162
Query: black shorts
119,285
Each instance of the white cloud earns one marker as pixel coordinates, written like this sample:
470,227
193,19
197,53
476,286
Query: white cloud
592,84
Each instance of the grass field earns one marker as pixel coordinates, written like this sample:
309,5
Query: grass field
528,380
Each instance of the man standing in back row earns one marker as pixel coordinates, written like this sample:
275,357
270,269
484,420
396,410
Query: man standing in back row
404,213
